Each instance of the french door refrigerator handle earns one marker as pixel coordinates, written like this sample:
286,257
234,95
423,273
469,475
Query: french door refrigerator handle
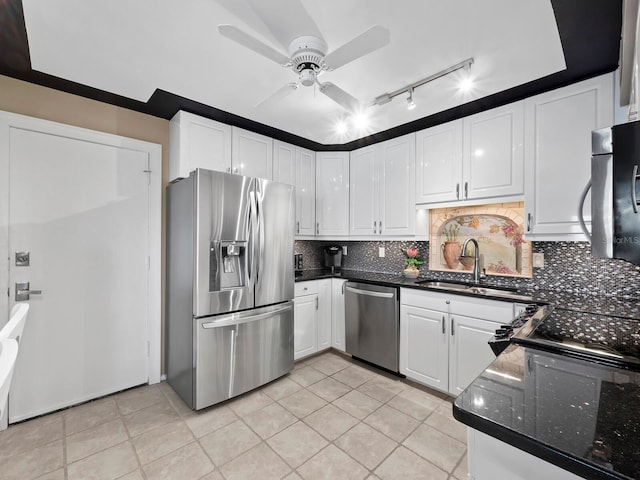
253,215
234,320
634,181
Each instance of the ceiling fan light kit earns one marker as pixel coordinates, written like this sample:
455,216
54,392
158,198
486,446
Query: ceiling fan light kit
308,55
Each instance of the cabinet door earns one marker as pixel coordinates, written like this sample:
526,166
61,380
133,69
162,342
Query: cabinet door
558,155
324,314
573,384
337,314
439,163
332,193
397,206
305,192
424,346
252,154
305,340
363,192
493,157
469,353
197,142
284,162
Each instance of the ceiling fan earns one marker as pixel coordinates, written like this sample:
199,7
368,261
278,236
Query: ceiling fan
295,30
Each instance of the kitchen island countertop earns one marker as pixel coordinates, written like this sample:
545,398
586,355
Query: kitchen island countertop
579,415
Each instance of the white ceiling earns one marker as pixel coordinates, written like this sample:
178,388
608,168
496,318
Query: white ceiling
131,48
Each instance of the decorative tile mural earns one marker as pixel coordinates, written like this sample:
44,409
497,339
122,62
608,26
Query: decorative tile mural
497,228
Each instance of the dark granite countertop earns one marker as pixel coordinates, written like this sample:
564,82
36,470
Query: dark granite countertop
577,414
584,303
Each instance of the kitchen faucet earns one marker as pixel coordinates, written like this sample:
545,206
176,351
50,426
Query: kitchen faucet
476,259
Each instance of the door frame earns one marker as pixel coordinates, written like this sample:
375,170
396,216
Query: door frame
154,276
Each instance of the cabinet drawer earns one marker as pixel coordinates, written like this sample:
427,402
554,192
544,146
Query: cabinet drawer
430,300
306,288
482,308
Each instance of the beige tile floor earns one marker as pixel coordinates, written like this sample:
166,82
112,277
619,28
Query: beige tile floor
330,418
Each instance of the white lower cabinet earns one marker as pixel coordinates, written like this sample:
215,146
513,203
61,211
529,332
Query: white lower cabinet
337,314
490,458
443,338
312,317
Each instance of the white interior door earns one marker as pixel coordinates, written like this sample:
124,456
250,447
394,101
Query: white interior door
81,210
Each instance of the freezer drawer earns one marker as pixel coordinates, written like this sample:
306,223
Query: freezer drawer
372,324
238,352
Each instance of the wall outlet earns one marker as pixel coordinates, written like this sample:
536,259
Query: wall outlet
344,250
538,260
381,252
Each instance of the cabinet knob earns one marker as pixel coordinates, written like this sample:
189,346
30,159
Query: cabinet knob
528,222
374,227
466,189
318,228
380,228
457,190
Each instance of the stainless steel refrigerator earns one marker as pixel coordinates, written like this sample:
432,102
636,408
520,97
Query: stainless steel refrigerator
229,283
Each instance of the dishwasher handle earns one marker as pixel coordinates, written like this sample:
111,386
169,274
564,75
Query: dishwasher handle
371,293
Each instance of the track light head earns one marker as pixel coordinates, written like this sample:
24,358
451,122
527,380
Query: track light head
410,103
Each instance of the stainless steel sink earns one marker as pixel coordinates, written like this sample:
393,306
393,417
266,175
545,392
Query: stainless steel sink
471,288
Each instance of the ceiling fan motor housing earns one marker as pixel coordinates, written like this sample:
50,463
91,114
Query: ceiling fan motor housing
307,58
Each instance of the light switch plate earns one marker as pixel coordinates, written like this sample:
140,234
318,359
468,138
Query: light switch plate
344,250
538,260
380,252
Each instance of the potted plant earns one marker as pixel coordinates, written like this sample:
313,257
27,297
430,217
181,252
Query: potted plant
412,263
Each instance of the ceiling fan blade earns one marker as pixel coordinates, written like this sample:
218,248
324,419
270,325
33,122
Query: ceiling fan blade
279,94
341,97
373,39
285,19
246,40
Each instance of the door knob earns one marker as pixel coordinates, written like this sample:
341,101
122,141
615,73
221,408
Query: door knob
23,293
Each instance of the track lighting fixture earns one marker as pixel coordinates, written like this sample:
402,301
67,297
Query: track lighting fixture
387,97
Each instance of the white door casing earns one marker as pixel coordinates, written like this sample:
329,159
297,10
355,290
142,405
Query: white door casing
87,206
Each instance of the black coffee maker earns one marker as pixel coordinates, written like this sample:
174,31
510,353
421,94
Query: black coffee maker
333,257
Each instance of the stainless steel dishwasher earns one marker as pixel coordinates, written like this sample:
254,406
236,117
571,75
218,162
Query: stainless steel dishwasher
372,324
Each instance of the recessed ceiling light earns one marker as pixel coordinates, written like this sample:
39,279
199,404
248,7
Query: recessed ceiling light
341,127
360,121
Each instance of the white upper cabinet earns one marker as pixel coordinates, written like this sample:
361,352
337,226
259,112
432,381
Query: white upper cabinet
439,163
363,192
481,156
382,188
493,153
251,154
332,193
297,166
396,182
558,155
305,191
284,162
197,142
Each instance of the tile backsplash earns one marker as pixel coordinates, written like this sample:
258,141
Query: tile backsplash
568,266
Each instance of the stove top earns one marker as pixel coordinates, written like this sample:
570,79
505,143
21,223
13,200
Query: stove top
610,339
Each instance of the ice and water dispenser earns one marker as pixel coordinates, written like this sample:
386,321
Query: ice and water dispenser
228,265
